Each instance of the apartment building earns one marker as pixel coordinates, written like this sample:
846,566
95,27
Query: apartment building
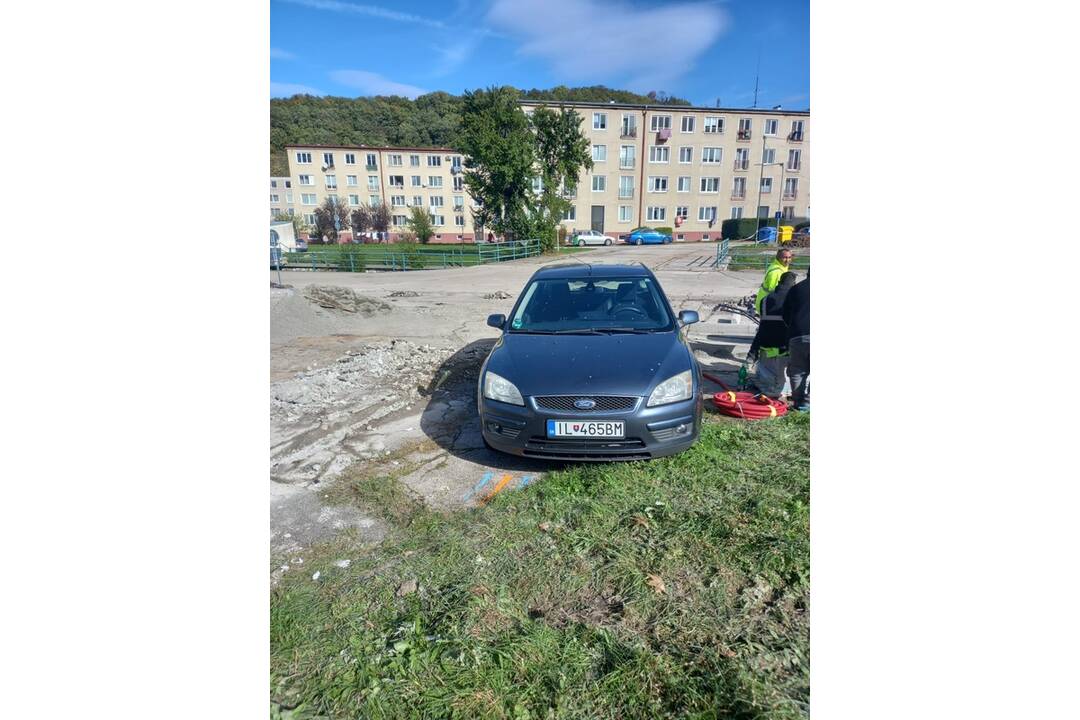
404,177
281,196
687,168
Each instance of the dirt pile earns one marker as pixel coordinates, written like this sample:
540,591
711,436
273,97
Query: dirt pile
333,297
404,293
498,295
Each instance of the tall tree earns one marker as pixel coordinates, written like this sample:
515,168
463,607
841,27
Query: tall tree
380,218
330,218
420,224
360,220
562,150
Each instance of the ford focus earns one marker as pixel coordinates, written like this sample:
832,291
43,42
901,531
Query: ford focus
591,364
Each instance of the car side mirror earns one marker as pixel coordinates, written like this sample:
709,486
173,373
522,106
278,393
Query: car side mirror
497,321
688,317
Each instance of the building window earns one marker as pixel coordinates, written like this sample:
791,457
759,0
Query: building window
766,185
682,211
659,154
372,182
599,121
331,182
788,212
307,199
570,214
438,220
660,122
459,202
414,161
417,181
688,123
625,213
288,197
374,200
435,201
736,213
707,213
794,160
655,213
434,161
372,162
303,158
397,201
418,200
350,158
738,188
599,183
288,183
770,126
684,183
713,125
711,155
455,163
538,184
791,188
744,128
354,200
742,158
459,220
397,181
434,181
796,130
393,160
768,156
309,218
306,180
686,155
459,183
599,153
328,159
626,186
398,220
658,183
629,126
710,184
626,157
274,198
350,180
273,183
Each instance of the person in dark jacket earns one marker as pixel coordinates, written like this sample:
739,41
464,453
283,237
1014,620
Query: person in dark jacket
796,314
772,331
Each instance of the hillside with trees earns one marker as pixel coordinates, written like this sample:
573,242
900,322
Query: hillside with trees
432,120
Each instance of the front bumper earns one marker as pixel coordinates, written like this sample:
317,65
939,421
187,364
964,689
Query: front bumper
649,432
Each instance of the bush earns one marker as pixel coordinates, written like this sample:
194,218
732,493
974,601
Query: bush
664,230
738,229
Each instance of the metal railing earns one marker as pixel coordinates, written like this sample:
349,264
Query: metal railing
346,258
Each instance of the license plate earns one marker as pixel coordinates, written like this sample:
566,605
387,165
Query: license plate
585,428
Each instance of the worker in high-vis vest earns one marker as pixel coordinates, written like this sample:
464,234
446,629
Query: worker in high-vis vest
776,268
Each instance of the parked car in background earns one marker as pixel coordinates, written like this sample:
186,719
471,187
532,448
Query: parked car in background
647,236
591,364
591,237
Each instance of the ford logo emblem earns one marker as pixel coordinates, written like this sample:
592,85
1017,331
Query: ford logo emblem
584,404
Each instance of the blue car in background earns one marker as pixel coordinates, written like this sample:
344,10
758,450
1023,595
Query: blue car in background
647,236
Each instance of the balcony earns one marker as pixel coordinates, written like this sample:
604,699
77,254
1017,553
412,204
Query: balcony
796,136
737,195
743,135
628,132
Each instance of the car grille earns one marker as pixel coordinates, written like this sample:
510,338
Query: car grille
597,448
604,403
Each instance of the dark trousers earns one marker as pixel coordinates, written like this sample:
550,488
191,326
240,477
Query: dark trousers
798,369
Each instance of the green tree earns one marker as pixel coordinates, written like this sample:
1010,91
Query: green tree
297,220
360,221
331,217
380,218
562,150
420,224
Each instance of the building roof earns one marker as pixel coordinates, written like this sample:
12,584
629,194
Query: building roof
372,147
658,106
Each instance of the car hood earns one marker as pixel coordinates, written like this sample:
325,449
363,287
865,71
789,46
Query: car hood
589,364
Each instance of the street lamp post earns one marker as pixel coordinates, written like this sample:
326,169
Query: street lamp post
761,176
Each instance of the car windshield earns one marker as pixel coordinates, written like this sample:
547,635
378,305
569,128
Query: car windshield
588,305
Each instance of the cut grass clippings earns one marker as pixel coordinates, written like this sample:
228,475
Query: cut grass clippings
672,588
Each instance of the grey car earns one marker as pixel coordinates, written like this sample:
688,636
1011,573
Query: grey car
592,364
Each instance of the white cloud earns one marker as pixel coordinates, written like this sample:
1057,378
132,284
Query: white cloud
369,10
586,41
279,54
370,83
289,89
451,57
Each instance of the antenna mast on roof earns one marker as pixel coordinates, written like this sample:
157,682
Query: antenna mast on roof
757,73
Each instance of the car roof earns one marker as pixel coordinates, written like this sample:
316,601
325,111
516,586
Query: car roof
582,270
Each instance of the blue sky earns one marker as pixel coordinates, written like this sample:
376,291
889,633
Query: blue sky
700,51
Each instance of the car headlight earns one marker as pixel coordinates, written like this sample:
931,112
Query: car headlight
678,387
496,387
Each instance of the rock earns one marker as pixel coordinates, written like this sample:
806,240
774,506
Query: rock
316,575
406,588
343,563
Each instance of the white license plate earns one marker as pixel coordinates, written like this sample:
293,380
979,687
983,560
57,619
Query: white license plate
585,428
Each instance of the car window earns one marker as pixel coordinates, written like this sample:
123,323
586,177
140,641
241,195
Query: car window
591,304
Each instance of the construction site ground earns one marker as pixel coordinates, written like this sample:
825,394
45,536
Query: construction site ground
376,373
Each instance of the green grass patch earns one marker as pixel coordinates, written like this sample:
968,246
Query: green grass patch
547,603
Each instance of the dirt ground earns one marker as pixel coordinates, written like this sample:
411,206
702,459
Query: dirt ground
379,370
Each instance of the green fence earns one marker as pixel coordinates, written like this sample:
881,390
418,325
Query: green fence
399,256
760,261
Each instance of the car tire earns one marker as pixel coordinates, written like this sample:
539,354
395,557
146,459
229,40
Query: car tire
607,242
638,241
580,243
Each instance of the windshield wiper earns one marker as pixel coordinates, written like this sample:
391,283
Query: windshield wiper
577,331
635,331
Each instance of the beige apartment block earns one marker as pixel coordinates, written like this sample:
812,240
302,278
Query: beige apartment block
688,168
281,196
404,177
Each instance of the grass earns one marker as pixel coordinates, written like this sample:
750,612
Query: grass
672,588
361,256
